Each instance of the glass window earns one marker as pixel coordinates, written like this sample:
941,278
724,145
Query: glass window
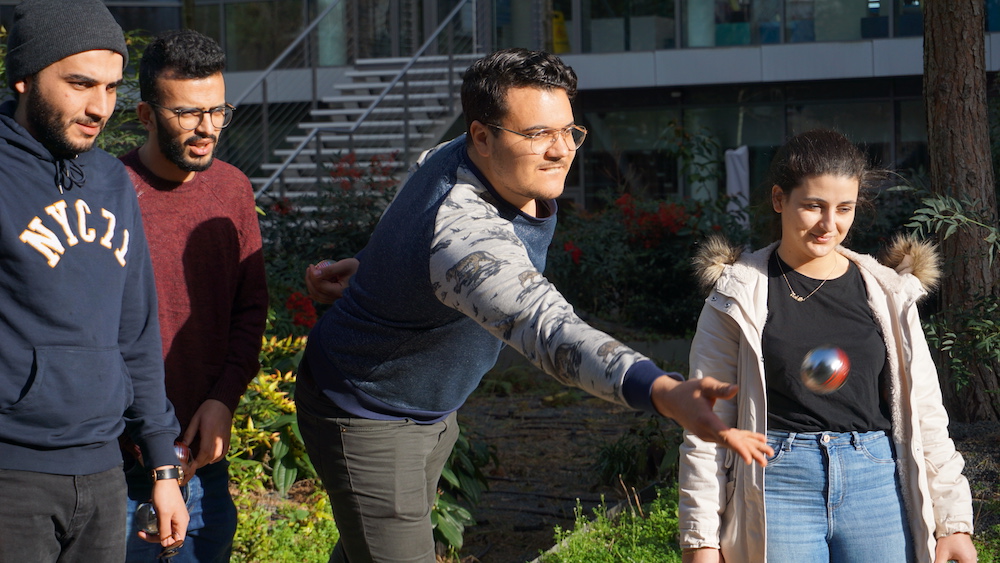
208,20
992,15
257,32
909,18
515,23
911,149
869,124
800,18
876,24
757,126
630,149
151,19
563,40
628,25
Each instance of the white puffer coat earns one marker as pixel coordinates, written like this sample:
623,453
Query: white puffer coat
721,498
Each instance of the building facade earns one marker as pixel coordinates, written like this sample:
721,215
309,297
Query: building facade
718,74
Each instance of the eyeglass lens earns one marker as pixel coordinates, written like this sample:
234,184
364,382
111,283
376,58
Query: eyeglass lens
191,119
573,136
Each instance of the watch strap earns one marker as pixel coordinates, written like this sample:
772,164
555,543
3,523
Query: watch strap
172,472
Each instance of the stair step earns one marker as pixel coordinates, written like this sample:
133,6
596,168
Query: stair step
377,87
389,73
362,164
387,123
377,111
390,97
327,151
306,180
360,138
398,62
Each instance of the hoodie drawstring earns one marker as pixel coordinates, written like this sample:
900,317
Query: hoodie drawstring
69,174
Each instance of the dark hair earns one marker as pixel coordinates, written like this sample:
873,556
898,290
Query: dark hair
821,152
817,153
485,83
185,53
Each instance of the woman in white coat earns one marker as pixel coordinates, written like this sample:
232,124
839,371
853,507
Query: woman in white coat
863,472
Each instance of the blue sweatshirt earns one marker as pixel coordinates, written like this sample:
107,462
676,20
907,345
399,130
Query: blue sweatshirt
80,355
450,275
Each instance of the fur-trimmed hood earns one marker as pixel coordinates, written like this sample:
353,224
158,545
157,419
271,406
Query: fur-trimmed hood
904,256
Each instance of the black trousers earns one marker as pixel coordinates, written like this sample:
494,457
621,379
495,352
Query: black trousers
62,518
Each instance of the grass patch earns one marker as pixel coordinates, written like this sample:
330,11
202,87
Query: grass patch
647,534
270,529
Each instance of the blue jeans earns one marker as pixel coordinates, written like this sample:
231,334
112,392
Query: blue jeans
834,496
212,526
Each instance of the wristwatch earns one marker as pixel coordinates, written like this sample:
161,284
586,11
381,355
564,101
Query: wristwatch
172,472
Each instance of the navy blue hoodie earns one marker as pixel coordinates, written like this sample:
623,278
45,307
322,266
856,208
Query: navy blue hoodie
80,356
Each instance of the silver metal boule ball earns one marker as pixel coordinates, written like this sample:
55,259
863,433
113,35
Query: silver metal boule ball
825,369
145,519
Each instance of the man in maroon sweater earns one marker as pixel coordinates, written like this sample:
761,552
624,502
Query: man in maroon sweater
204,238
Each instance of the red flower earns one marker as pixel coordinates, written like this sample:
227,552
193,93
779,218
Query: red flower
302,310
282,206
574,252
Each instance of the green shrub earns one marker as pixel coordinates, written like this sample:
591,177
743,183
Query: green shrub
332,220
630,262
647,452
647,534
282,531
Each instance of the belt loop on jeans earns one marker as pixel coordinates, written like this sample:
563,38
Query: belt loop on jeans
786,445
856,439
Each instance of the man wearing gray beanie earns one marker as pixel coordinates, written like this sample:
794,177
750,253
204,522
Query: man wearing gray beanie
81,356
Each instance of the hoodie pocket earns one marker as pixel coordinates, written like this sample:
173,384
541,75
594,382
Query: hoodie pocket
76,396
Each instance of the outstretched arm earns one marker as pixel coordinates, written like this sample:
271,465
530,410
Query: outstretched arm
690,403
480,267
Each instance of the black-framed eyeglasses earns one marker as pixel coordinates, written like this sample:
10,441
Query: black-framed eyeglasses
542,141
190,118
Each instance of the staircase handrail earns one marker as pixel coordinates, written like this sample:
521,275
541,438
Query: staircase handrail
334,128
288,50
406,68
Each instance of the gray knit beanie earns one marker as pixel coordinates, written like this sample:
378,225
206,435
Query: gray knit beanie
46,31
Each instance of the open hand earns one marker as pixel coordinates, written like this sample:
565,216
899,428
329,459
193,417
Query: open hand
690,404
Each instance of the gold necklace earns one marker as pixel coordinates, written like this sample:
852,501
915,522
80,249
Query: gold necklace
796,296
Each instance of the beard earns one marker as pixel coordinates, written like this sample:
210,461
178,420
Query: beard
173,149
51,126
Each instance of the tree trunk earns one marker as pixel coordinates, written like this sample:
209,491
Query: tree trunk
961,166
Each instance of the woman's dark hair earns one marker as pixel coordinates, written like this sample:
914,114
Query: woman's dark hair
821,152
485,83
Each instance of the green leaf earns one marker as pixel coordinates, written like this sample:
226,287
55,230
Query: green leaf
450,530
283,420
284,474
449,476
280,449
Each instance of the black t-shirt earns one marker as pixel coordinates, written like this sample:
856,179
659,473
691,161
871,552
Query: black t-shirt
836,315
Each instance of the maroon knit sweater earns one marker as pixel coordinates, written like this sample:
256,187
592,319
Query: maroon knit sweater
204,239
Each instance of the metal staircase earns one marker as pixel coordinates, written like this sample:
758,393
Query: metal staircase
384,111
381,113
